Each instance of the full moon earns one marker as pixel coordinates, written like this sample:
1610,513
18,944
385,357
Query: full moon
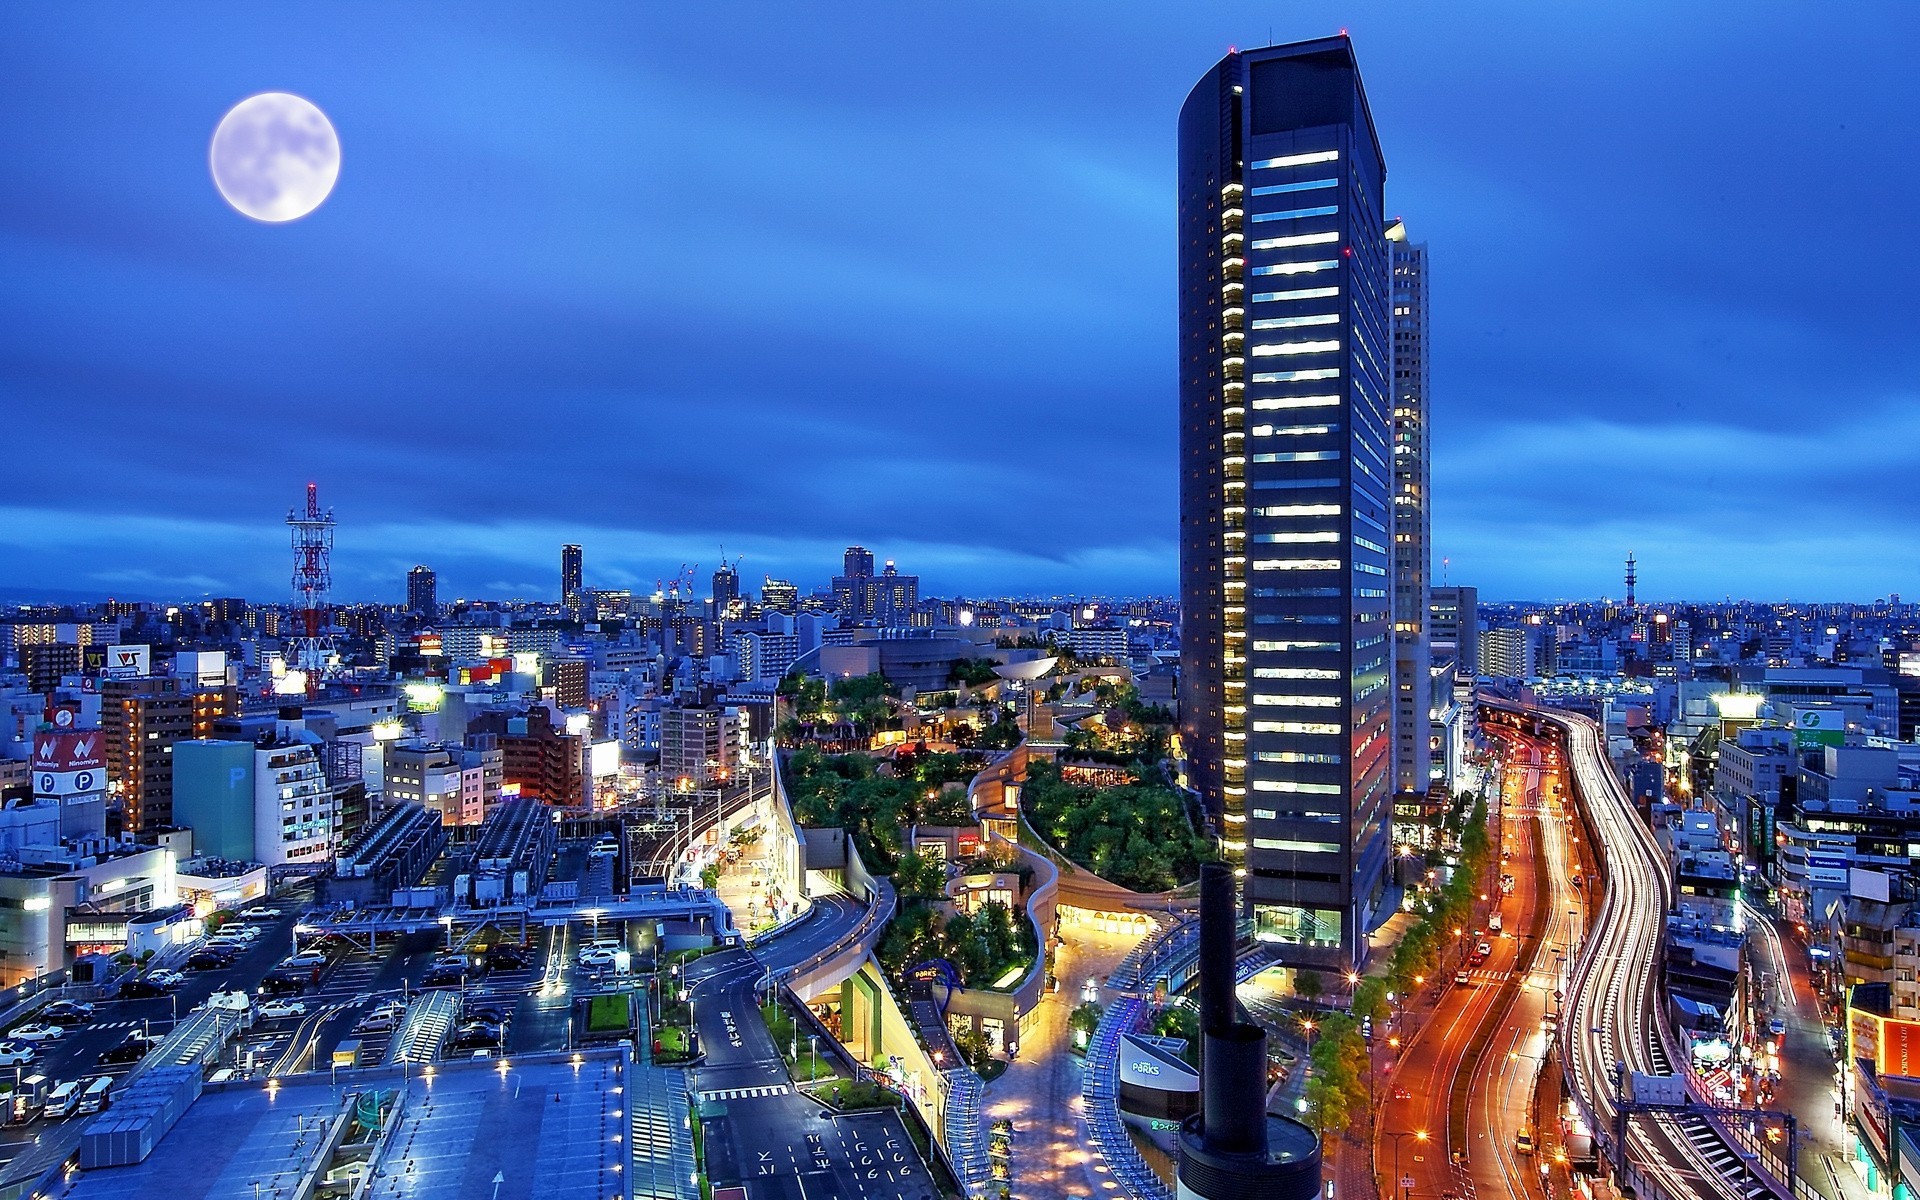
275,157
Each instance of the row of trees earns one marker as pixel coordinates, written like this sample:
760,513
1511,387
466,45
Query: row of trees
1136,835
864,702
1338,1089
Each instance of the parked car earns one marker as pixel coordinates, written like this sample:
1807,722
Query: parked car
490,1011
132,1050
167,980
13,1054
140,989
261,912
36,1031
68,1012
281,983
306,958
474,1036
443,977
378,1021
275,1009
597,956
506,956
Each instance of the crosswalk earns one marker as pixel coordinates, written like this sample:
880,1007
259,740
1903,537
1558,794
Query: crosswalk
746,1093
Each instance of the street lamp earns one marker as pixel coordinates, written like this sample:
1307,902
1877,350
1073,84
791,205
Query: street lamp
1418,1135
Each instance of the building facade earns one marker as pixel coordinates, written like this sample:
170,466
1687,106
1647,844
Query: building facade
1412,517
143,719
572,579
423,593
1285,513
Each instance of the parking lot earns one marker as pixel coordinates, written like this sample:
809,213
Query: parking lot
332,1001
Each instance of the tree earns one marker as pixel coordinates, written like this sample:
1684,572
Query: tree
1308,984
1084,1019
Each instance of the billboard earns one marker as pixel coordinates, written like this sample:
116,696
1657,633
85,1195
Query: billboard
127,662
1819,727
1899,1049
70,763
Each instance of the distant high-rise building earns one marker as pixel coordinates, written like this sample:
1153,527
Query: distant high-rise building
1453,625
142,720
566,678
1412,521
857,561
1286,516
1508,653
572,593
726,587
892,597
46,663
778,595
422,593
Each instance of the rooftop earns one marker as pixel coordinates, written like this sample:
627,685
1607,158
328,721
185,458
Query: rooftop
551,1126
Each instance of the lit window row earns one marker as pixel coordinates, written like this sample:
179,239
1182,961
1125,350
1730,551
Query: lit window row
1297,160
1321,346
1295,673
1298,268
1307,727
1285,646
1297,376
1262,699
1319,293
1293,430
1294,214
1298,456
1297,322
1322,593
1296,239
1367,568
1296,564
1295,756
1303,538
1293,844
1298,510
1376,547
1287,402
1305,185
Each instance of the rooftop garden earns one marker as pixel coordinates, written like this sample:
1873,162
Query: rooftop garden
874,800
1137,835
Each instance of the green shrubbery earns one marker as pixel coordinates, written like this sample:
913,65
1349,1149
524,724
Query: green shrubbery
1136,835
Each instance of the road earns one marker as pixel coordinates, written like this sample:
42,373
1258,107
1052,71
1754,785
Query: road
764,1135
1419,1139
1615,1013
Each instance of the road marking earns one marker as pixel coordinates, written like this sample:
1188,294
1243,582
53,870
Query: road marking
746,1093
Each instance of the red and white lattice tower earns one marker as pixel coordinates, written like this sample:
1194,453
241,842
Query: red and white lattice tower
312,582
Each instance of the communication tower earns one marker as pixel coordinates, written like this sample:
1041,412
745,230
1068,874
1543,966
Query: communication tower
312,530
1633,577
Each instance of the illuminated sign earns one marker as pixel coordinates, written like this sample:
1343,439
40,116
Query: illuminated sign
1819,727
127,662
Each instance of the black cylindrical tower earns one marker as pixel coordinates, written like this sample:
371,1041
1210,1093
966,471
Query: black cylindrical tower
1217,938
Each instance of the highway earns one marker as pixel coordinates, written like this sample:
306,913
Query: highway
1616,1012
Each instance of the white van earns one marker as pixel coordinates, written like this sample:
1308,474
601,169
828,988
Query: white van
61,1101
95,1097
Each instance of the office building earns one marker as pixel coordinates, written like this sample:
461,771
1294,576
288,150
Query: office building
1453,625
422,593
1412,518
143,719
572,577
1285,509
459,783
726,587
264,801
565,681
779,595
700,743
540,759
861,597
1508,653
47,663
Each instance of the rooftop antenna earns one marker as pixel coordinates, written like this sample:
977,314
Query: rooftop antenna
1633,577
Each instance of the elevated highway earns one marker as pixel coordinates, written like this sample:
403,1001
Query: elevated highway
1615,1016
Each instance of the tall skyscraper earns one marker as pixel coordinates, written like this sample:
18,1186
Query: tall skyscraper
423,593
1412,516
1453,625
857,561
726,587
1285,511
572,594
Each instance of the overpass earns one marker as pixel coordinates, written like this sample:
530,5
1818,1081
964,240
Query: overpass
1617,1019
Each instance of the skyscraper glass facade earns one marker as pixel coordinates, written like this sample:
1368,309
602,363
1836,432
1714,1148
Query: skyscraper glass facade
1286,476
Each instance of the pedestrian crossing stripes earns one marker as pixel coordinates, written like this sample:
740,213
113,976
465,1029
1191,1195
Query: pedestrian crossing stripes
746,1093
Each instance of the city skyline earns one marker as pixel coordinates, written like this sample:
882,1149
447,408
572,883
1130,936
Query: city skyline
1563,435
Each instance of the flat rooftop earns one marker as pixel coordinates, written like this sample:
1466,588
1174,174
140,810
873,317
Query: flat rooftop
543,1126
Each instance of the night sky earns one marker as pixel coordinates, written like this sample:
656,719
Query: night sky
662,278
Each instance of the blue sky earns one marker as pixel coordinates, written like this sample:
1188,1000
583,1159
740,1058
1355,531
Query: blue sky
783,277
